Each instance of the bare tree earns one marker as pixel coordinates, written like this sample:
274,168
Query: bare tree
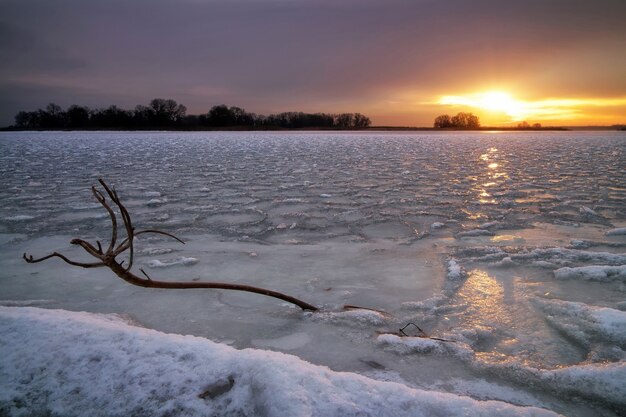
108,258
443,121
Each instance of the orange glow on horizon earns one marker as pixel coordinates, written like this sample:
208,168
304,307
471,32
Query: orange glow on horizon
503,107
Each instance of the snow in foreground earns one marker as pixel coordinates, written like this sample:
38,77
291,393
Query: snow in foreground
56,362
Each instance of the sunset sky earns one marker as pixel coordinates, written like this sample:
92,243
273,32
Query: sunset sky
401,62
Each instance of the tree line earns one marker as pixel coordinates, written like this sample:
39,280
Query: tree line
460,121
526,125
470,121
168,114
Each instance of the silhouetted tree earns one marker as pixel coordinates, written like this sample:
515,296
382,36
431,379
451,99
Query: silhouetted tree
142,117
460,121
220,116
166,113
526,125
344,120
78,117
54,115
361,121
28,120
443,121
465,120
111,118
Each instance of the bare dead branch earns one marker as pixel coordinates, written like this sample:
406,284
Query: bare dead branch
124,272
102,200
87,246
160,232
149,283
31,260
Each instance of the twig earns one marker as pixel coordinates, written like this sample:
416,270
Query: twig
353,307
416,326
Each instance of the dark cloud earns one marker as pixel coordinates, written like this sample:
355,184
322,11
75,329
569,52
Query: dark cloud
311,55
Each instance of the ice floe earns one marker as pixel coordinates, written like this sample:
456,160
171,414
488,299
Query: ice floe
587,324
183,261
593,273
557,256
154,251
455,271
19,218
620,231
475,232
411,345
353,318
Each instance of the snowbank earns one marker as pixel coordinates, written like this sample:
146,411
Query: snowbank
71,364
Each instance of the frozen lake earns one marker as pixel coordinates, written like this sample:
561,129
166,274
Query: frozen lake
511,246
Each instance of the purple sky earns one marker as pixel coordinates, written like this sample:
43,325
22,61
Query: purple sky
389,59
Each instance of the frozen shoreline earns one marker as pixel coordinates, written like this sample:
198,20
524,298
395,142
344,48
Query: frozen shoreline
74,364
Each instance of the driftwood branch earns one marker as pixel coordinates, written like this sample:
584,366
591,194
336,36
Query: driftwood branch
108,258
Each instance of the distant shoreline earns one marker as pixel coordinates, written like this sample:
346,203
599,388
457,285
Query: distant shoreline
368,129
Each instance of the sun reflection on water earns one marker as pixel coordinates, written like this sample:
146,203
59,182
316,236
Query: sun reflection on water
507,238
488,306
488,300
484,294
490,178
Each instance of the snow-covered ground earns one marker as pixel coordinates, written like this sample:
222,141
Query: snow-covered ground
77,364
508,249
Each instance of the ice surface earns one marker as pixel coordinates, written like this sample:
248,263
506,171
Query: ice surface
289,342
480,238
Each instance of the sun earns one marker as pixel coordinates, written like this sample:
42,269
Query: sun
491,101
499,101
